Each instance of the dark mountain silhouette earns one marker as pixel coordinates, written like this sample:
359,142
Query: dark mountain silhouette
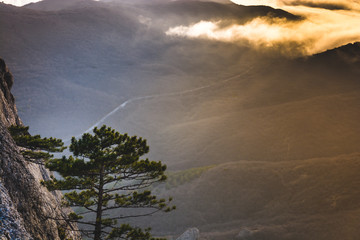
345,55
189,12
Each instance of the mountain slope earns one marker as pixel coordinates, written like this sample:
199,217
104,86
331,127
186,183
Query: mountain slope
284,133
311,199
257,116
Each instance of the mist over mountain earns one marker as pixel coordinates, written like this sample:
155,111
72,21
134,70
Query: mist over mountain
118,44
260,145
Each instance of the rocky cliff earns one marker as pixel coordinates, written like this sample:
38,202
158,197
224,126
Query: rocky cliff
27,210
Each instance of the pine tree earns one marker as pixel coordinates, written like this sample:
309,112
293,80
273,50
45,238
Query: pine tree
35,148
104,174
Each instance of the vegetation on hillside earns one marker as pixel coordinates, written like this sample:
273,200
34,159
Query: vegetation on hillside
178,178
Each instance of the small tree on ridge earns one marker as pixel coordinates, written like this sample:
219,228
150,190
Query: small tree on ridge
35,148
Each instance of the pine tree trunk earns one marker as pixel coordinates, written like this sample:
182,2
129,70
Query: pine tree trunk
97,231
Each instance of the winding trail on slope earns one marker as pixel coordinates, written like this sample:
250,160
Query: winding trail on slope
125,103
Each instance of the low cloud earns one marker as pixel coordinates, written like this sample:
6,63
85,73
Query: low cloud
321,28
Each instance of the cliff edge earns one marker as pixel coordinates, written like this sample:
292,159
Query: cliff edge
27,209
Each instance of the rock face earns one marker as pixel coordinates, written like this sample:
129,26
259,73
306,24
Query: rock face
190,234
8,113
27,210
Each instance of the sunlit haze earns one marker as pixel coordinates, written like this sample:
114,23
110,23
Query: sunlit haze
325,25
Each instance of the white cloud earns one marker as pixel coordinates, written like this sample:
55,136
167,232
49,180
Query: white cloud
272,3
19,2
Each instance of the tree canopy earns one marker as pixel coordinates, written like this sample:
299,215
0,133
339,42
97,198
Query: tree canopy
105,173
35,148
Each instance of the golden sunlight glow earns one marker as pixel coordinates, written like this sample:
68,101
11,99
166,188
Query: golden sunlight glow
272,3
350,4
322,28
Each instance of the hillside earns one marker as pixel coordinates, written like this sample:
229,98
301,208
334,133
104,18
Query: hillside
283,110
258,145
306,199
285,149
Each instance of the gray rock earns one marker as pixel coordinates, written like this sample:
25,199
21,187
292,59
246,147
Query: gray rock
190,234
27,209
11,225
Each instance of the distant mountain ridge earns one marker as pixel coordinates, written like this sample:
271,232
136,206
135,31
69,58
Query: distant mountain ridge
54,5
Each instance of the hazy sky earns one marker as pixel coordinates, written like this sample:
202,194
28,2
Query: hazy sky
19,2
